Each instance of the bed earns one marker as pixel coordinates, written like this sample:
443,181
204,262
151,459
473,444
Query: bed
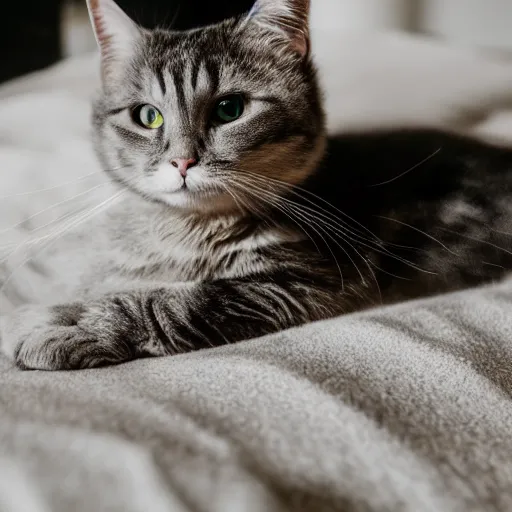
400,408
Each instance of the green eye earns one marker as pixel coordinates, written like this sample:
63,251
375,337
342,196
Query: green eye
229,108
148,116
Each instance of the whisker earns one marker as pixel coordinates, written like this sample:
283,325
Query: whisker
506,233
70,182
54,237
479,240
343,224
274,222
432,155
419,231
345,233
55,221
347,239
287,187
312,219
244,208
19,224
330,250
293,220
376,244
34,241
232,194
368,263
294,188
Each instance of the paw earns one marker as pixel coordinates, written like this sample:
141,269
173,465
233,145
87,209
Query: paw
67,337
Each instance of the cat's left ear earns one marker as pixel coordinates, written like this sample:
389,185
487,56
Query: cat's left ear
286,18
115,33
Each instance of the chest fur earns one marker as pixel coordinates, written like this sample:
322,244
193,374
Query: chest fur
184,250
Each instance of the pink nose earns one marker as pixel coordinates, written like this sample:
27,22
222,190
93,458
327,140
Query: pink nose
183,164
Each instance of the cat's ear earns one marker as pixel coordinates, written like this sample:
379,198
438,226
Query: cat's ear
286,18
115,33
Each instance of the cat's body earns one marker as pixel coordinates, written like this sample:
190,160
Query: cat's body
431,211
237,223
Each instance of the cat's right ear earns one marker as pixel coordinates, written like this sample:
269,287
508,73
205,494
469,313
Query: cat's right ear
115,33
288,20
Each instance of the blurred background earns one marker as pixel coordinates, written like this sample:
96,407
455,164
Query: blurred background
38,33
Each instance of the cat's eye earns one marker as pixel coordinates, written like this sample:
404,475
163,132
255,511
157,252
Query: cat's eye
229,108
148,116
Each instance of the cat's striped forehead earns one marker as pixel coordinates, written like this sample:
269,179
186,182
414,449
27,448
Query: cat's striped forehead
207,62
179,86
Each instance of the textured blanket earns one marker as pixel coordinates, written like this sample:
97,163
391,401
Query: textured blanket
404,408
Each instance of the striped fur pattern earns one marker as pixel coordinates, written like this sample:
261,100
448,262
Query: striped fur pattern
267,230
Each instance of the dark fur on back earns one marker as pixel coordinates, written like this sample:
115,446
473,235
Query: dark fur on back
438,202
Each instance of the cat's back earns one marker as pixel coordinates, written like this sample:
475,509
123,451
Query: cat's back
431,210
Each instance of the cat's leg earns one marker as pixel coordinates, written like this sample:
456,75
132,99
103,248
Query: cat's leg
167,320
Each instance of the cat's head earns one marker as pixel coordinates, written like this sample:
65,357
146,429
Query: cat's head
191,118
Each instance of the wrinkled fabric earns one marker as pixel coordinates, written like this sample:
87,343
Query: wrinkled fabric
401,408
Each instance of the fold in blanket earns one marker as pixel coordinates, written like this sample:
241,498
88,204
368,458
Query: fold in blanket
403,408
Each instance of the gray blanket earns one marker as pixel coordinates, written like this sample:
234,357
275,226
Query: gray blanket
403,408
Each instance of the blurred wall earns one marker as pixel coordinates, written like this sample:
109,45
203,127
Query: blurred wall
486,23
483,23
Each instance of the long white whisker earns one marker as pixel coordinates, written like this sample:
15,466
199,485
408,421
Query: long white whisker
380,250
432,155
319,210
52,238
34,241
47,189
233,195
419,231
297,212
293,189
279,207
341,224
380,246
327,233
347,239
244,208
52,207
61,185
326,244
329,223
479,240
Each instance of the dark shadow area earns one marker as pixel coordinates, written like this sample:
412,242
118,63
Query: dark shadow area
31,35
182,14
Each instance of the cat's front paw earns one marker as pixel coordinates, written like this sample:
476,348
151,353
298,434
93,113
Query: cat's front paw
67,337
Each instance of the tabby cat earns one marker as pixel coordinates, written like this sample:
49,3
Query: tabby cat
235,215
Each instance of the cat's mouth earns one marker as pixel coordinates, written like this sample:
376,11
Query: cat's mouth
206,199
197,193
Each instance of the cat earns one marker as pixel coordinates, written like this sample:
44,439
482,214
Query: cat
235,215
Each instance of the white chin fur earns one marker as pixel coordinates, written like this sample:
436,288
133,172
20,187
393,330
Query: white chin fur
205,202
166,185
181,199
165,180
